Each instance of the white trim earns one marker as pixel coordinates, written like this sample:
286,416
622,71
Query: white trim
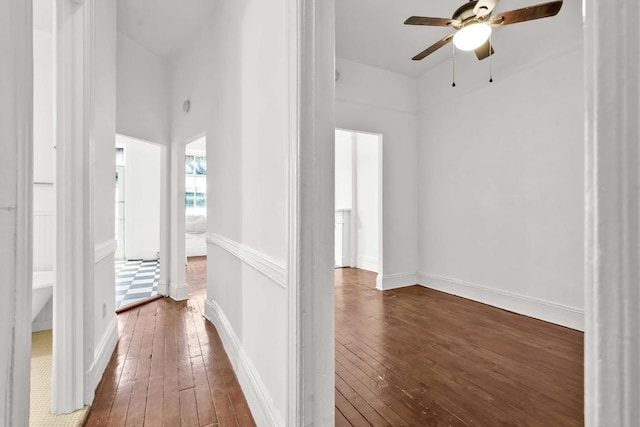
274,270
375,106
73,294
16,210
368,263
104,250
559,314
262,407
163,287
294,323
455,96
102,355
397,280
612,217
178,292
311,216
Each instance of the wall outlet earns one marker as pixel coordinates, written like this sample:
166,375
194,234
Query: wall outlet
104,310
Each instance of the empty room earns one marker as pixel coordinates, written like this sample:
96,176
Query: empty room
476,316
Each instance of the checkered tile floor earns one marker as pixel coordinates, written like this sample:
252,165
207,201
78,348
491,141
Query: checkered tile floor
136,280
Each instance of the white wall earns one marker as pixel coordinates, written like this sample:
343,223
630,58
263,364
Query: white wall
141,198
44,164
239,99
105,323
367,175
344,170
344,232
144,93
369,99
44,153
16,163
143,112
357,188
500,170
199,146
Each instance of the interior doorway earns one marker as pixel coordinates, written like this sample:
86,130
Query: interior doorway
137,220
195,198
358,200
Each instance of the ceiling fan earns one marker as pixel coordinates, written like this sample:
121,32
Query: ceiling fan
474,22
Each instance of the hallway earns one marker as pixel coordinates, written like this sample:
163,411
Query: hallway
170,368
415,356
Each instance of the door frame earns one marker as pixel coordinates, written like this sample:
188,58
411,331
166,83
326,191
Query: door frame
178,289
75,146
16,209
310,216
612,215
354,208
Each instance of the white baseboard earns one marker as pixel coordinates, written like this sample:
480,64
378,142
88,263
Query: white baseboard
163,288
43,325
398,280
559,314
178,292
260,402
342,262
102,355
367,263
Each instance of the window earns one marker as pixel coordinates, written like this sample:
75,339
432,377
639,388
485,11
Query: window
195,184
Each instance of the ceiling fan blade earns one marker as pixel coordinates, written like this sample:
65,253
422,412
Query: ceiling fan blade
434,22
428,51
485,51
530,13
484,7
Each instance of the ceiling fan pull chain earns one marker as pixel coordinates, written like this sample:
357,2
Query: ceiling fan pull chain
453,61
490,60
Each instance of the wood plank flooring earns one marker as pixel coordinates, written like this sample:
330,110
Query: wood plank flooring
407,357
170,368
418,357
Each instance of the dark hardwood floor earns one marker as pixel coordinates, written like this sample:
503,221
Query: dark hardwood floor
419,357
406,357
170,367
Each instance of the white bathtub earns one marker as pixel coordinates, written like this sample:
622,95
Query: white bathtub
42,291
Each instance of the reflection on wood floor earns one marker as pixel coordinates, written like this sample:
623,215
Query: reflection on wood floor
170,367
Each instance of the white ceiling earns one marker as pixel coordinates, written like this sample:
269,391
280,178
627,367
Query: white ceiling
163,26
372,31
367,31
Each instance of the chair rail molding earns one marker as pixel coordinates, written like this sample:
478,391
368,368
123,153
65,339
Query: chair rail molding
273,269
612,264
104,250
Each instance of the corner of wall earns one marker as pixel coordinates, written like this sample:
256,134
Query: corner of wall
397,280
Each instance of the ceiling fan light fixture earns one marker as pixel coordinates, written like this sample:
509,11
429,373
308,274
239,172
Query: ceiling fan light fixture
472,36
